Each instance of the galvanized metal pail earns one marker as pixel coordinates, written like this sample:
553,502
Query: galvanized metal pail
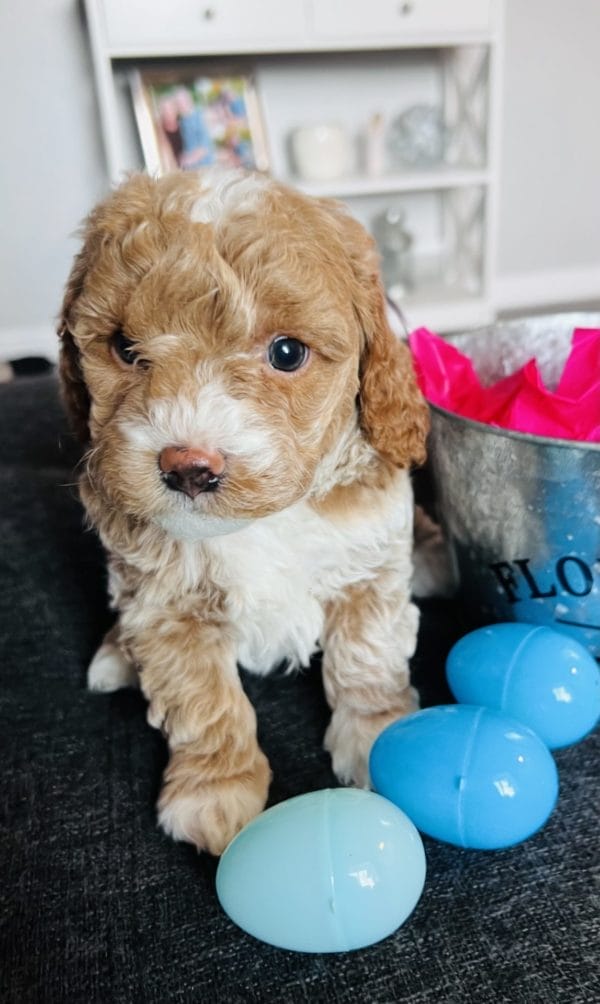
522,513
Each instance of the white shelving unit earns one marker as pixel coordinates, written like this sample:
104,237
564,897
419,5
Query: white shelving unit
356,185
344,60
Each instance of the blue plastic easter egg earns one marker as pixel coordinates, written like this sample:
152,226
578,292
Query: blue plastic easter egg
329,871
544,678
466,775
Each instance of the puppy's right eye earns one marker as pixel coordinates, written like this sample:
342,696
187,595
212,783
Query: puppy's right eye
122,347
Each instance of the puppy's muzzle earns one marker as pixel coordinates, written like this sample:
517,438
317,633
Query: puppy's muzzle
191,470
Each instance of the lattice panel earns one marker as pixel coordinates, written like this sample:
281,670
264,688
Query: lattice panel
466,105
464,225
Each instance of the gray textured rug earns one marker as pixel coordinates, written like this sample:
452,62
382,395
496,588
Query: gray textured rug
96,905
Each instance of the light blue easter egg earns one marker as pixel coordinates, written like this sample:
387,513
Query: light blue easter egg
545,678
329,871
467,775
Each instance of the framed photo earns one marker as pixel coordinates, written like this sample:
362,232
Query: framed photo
188,120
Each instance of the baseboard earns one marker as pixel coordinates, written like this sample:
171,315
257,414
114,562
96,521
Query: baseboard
539,289
28,340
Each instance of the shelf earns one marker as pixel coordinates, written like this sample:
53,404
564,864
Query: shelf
339,61
443,311
441,305
234,47
434,179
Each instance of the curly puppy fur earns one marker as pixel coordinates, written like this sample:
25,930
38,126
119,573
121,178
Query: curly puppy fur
306,541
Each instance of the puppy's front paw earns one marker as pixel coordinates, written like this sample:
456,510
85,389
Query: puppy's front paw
351,735
109,670
210,813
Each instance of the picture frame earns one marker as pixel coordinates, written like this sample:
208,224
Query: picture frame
189,119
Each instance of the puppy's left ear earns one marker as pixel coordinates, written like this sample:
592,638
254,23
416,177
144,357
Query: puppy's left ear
393,413
74,390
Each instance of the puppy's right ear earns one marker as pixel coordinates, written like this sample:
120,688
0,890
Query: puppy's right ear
74,391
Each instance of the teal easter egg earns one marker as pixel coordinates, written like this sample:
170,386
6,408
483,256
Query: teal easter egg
467,775
330,871
545,678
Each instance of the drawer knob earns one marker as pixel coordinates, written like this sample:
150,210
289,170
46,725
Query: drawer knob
406,7
209,13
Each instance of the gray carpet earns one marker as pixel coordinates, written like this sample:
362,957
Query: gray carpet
96,905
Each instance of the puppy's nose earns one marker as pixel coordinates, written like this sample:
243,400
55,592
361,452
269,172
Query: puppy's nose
191,470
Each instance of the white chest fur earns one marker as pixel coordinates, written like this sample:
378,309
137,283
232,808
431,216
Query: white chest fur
279,572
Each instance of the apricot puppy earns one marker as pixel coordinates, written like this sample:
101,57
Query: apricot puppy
250,420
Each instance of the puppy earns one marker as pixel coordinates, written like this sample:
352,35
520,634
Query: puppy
250,422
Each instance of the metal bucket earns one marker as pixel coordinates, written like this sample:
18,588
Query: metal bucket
522,513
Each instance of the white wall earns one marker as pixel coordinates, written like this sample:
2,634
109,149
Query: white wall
51,168
549,246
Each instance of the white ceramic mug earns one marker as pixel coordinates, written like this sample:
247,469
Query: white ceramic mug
321,152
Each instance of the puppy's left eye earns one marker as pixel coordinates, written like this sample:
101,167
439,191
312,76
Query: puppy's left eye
123,348
287,354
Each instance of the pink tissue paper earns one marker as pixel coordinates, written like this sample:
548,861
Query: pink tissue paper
521,401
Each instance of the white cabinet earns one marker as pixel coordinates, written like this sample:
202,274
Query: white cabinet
199,26
343,62
355,20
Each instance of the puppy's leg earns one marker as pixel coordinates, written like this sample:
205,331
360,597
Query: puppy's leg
217,778
434,573
110,669
370,635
